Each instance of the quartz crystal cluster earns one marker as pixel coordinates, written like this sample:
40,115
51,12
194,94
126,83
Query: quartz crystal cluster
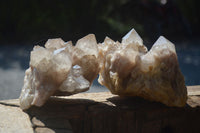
59,69
126,69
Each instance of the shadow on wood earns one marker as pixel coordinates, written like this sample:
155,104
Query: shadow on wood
102,113
113,115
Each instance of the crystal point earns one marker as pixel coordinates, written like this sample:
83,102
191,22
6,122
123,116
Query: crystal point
132,37
87,44
54,43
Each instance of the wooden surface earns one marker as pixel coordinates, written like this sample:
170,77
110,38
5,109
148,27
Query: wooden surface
101,113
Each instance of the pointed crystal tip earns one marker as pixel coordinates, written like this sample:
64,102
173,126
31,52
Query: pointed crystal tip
132,37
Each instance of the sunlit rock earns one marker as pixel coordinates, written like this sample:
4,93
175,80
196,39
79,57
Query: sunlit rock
59,69
128,69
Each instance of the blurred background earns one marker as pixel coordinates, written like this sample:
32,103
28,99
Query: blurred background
26,23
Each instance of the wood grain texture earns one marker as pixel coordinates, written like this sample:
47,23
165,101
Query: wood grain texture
193,90
102,113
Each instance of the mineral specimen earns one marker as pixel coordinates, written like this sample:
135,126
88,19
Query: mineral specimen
59,69
128,69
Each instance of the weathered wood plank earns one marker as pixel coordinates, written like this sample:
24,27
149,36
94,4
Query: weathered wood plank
101,112
193,90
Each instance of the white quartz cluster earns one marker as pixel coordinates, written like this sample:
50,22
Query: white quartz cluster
59,69
126,69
